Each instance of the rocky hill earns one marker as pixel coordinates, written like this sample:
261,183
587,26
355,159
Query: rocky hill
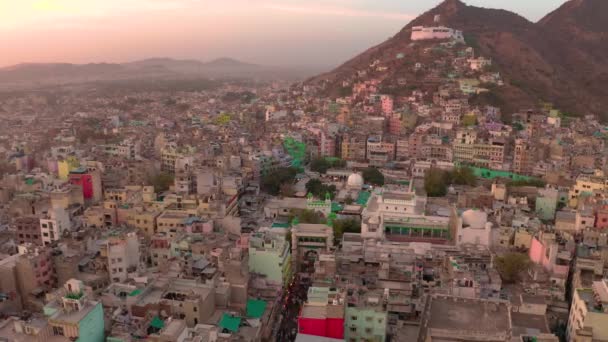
562,59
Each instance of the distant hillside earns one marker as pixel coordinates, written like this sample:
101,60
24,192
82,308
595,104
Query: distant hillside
64,73
562,59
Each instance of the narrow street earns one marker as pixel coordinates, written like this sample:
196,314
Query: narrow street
292,302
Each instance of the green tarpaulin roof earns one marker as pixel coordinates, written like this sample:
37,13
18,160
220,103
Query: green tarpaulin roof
363,197
135,293
157,323
280,225
255,308
230,322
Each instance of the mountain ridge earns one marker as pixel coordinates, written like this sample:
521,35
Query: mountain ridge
562,58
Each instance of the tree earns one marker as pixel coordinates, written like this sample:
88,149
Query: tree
287,190
342,226
510,266
319,190
320,165
306,216
463,176
435,183
288,238
162,182
373,176
272,181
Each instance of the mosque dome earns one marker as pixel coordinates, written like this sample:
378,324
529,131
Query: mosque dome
355,181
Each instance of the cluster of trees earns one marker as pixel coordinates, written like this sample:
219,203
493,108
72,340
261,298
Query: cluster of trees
162,181
373,176
321,165
318,189
306,216
436,181
510,266
274,181
342,226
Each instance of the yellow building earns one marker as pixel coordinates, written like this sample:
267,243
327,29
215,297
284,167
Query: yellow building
65,166
144,220
523,239
586,185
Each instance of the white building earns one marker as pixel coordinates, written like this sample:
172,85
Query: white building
123,256
53,226
436,32
474,228
589,314
397,214
479,63
275,115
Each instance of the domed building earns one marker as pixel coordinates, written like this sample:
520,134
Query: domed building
474,228
354,182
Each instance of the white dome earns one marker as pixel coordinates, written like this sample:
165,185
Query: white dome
355,181
474,218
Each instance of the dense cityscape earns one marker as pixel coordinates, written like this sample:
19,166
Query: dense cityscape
397,198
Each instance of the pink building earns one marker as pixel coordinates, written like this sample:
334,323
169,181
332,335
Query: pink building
601,218
544,252
394,125
387,105
327,146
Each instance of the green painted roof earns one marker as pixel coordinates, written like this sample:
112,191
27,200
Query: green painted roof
230,322
363,197
280,225
256,308
135,292
157,323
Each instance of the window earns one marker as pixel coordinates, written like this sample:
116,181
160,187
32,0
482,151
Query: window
354,318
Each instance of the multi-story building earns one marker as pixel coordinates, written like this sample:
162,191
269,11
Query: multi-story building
523,157
128,149
185,299
270,257
27,230
488,153
379,152
451,318
123,255
323,313
589,314
397,214
53,225
587,185
144,220
35,270
308,241
73,315
365,316
546,203
354,148
89,181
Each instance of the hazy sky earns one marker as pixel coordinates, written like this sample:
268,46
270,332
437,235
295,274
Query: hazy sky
271,32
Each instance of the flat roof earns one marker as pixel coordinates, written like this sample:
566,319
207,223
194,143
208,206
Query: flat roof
462,314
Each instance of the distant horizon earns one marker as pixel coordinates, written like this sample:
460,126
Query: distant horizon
318,34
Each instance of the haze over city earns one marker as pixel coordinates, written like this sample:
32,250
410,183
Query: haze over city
320,33
303,171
